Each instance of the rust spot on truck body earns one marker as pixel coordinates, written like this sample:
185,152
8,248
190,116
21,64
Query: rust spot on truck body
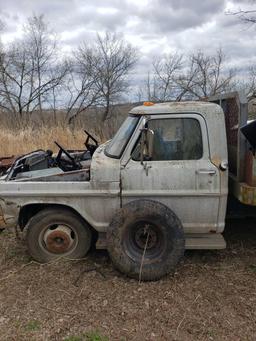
6,162
8,213
216,160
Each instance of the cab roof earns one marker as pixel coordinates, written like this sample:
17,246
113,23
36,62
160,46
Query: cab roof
177,107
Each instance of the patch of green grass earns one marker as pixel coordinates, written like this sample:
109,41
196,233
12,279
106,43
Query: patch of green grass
6,232
73,338
32,326
95,336
211,333
12,253
90,336
252,267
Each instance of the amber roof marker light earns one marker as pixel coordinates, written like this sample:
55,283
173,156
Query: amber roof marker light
148,104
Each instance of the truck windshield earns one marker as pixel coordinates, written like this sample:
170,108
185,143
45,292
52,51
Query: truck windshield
117,145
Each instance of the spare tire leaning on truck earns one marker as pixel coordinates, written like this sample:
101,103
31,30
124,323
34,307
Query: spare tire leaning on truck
145,240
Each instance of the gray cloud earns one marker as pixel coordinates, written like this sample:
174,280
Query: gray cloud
154,26
171,16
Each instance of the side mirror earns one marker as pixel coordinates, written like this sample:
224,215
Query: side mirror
147,142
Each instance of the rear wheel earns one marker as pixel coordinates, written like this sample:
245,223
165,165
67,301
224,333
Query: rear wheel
54,233
145,240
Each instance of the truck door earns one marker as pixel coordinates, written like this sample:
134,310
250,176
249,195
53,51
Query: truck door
180,173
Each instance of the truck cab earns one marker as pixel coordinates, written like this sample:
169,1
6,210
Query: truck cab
185,169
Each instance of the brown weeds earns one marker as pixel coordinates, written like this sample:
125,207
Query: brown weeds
23,141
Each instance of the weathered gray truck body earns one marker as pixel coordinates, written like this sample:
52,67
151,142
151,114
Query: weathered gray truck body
185,171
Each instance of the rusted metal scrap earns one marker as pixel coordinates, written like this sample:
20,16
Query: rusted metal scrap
6,162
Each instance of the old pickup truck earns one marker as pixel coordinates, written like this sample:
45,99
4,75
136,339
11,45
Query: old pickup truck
160,186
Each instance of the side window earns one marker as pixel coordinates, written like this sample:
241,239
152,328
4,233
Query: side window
174,139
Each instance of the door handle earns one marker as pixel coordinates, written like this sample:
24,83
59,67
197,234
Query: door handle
206,171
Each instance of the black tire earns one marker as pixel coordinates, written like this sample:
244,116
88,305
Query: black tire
145,223
53,233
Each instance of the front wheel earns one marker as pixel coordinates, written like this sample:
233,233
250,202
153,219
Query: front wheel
54,233
145,240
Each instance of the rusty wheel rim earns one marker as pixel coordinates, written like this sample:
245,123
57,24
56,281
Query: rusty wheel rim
144,237
58,239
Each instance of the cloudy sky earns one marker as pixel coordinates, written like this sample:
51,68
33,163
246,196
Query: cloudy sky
154,26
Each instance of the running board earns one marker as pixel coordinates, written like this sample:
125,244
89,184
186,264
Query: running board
209,241
196,241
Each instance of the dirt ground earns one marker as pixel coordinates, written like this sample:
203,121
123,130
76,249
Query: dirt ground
211,296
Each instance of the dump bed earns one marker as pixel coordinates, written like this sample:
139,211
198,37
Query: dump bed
241,149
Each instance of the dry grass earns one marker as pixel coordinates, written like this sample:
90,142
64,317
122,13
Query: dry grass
211,296
20,142
41,132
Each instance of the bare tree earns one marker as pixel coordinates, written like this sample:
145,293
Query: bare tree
251,83
205,76
248,83
200,75
248,17
115,59
80,86
41,44
28,70
166,71
149,89
55,98
111,61
245,16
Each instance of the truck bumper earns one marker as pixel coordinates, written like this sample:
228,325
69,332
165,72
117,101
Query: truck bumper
246,194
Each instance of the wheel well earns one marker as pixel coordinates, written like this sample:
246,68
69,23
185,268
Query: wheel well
28,211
